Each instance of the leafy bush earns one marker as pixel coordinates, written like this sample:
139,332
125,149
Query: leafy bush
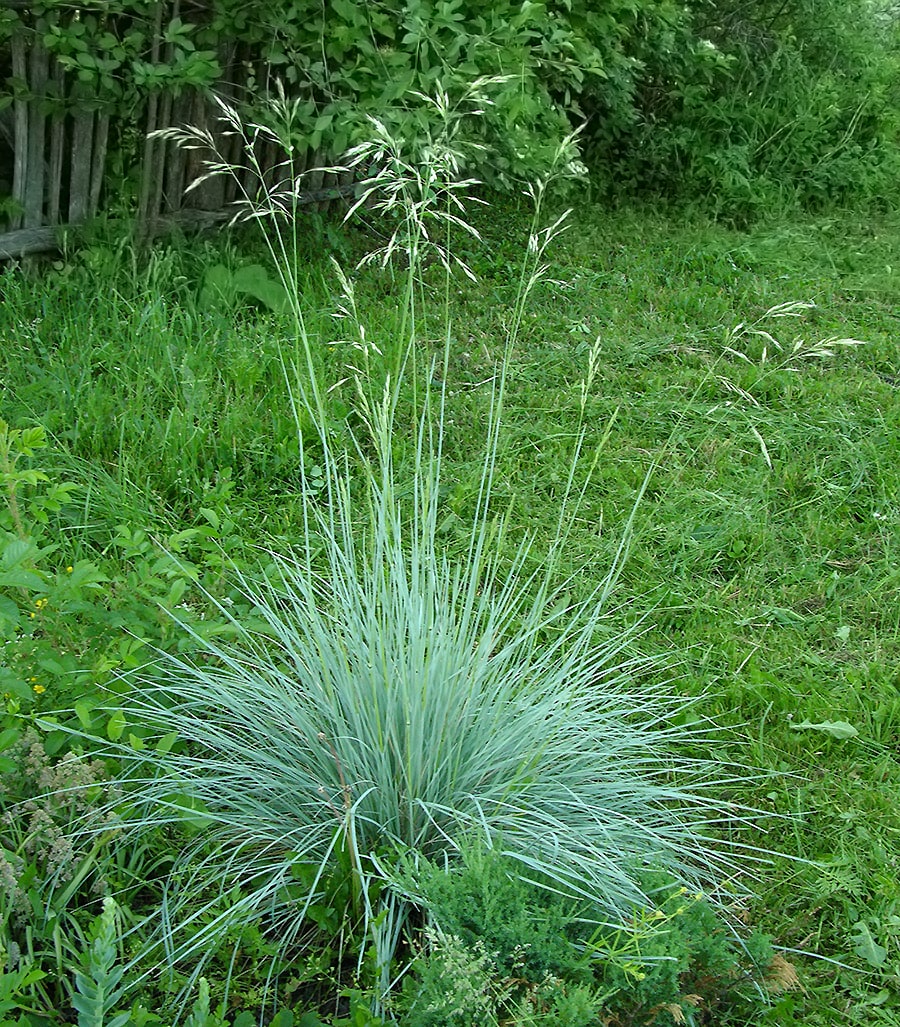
692,964
755,107
482,898
749,106
346,62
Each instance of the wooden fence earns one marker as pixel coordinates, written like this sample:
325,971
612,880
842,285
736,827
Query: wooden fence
59,132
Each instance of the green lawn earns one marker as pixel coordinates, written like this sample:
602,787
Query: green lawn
764,566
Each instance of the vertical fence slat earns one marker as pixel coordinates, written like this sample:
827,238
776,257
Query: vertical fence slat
234,153
57,140
345,181
82,159
176,161
316,176
158,205
329,181
98,162
33,216
274,170
151,146
249,183
20,158
212,193
300,164
232,147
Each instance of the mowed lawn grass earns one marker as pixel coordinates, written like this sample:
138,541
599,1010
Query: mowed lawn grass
764,567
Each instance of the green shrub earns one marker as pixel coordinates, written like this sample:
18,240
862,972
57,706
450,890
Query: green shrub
753,108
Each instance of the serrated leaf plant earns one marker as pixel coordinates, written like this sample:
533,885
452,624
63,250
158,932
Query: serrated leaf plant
392,701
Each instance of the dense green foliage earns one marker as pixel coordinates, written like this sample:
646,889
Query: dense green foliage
347,720
791,103
744,107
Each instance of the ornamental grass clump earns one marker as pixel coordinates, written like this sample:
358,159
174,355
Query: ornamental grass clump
387,703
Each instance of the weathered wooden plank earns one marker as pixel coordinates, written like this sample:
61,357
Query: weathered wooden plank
313,181
25,241
158,200
98,161
232,145
299,164
151,145
249,177
57,141
176,160
211,193
233,151
20,132
329,181
42,240
158,197
33,199
346,186
81,159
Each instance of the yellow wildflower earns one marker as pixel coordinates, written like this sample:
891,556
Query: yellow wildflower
39,689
